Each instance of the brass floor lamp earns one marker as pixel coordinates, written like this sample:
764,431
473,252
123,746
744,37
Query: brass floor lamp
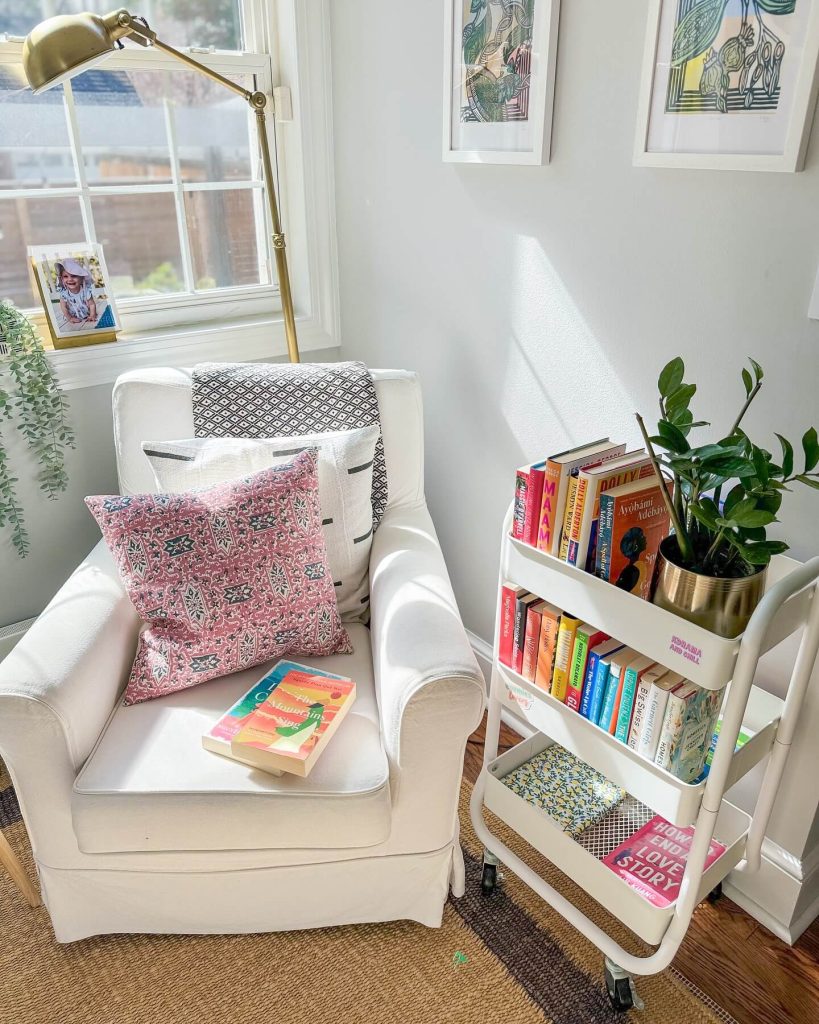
62,47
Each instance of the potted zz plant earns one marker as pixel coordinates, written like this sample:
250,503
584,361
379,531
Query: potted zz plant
711,569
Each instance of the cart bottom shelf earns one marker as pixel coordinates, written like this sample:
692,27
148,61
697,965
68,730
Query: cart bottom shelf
581,859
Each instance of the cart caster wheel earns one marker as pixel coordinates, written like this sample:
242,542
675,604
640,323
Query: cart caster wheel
716,893
620,995
489,879
620,988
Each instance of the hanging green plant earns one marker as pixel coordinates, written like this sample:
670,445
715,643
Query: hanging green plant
30,401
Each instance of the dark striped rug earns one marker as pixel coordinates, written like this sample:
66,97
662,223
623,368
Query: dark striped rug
506,957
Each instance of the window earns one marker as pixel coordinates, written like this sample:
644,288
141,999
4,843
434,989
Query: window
153,161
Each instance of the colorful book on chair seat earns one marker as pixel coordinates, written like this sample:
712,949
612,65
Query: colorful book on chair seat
288,731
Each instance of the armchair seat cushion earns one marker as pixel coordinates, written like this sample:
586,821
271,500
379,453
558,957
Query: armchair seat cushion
149,785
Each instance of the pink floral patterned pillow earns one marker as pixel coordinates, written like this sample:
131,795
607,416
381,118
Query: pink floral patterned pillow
225,577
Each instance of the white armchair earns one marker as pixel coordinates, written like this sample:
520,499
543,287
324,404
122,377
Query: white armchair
135,828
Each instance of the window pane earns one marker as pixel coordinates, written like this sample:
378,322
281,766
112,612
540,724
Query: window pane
140,240
222,231
121,118
32,222
212,129
183,22
34,147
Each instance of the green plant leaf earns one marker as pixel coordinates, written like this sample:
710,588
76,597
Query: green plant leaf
810,446
677,401
672,437
746,380
732,498
703,515
759,373
808,481
671,377
787,455
729,466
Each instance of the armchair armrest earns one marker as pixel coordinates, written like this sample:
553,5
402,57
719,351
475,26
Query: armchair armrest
57,689
421,654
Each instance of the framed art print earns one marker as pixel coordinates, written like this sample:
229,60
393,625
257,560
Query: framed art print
728,84
499,73
76,296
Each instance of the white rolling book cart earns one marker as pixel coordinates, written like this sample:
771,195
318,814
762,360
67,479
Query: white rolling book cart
788,605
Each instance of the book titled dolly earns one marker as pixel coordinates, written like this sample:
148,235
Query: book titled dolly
652,861
284,722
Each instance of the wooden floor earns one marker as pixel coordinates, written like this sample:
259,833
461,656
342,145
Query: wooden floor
733,959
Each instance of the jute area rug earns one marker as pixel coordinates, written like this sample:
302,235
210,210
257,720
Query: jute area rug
505,958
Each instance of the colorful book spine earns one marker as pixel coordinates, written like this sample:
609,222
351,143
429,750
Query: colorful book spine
548,507
534,497
519,507
631,680
605,528
549,625
614,690
592,702
649,739
531,640
573,530
673,722
588,683
522,603
506,625
585,528
565,527
691,748
585,639
563,652
641,698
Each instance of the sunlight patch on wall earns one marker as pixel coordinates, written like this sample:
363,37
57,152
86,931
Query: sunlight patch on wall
559,388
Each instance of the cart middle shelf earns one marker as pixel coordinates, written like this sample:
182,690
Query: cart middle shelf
677,801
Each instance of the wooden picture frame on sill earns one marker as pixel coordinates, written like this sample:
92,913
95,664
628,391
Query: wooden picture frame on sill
728,84
73,285
499,80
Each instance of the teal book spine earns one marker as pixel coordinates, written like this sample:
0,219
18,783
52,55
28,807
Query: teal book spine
609,697
606,696
626,705
605,527
586,702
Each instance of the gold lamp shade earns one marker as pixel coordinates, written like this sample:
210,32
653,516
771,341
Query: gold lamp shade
62,47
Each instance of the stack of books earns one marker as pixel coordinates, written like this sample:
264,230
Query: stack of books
658,713
597,507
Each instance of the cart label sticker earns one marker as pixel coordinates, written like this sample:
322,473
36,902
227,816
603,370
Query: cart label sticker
685,649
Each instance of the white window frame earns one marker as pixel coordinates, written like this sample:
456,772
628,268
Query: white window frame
239,323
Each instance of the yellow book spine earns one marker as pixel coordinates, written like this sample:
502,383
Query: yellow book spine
563,653
571,494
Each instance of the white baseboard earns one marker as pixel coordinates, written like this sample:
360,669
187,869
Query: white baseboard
10,635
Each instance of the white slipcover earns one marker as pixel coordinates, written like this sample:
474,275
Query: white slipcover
130,835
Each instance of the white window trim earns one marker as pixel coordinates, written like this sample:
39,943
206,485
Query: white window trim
245,323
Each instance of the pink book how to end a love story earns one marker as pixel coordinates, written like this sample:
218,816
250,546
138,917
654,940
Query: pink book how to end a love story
652,861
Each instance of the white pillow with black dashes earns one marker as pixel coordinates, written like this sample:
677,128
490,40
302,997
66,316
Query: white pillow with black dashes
345,469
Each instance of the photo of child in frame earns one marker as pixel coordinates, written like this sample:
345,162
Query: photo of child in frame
72,282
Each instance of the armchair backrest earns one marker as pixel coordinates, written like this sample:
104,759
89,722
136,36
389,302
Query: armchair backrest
156,405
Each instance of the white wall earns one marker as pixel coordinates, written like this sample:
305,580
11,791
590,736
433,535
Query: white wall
540,303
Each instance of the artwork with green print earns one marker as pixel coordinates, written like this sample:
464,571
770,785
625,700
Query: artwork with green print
728,56
496,46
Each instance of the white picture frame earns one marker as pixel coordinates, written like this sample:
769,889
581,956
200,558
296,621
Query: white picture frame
775,139
525,137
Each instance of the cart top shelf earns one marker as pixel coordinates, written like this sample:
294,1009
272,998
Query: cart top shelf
699,655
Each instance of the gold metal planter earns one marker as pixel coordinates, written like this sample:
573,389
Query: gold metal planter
722,606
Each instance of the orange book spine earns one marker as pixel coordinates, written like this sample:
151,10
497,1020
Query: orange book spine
571,494
549,624
534,616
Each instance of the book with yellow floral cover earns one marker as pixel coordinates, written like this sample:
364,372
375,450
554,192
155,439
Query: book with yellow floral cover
288,731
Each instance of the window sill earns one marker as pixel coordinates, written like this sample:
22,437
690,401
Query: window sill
244,340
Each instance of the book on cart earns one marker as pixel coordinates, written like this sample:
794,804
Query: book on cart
285,720
652,861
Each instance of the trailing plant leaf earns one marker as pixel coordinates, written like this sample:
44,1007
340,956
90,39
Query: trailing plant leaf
32,402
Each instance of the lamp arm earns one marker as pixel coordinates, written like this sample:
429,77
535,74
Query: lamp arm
128,25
